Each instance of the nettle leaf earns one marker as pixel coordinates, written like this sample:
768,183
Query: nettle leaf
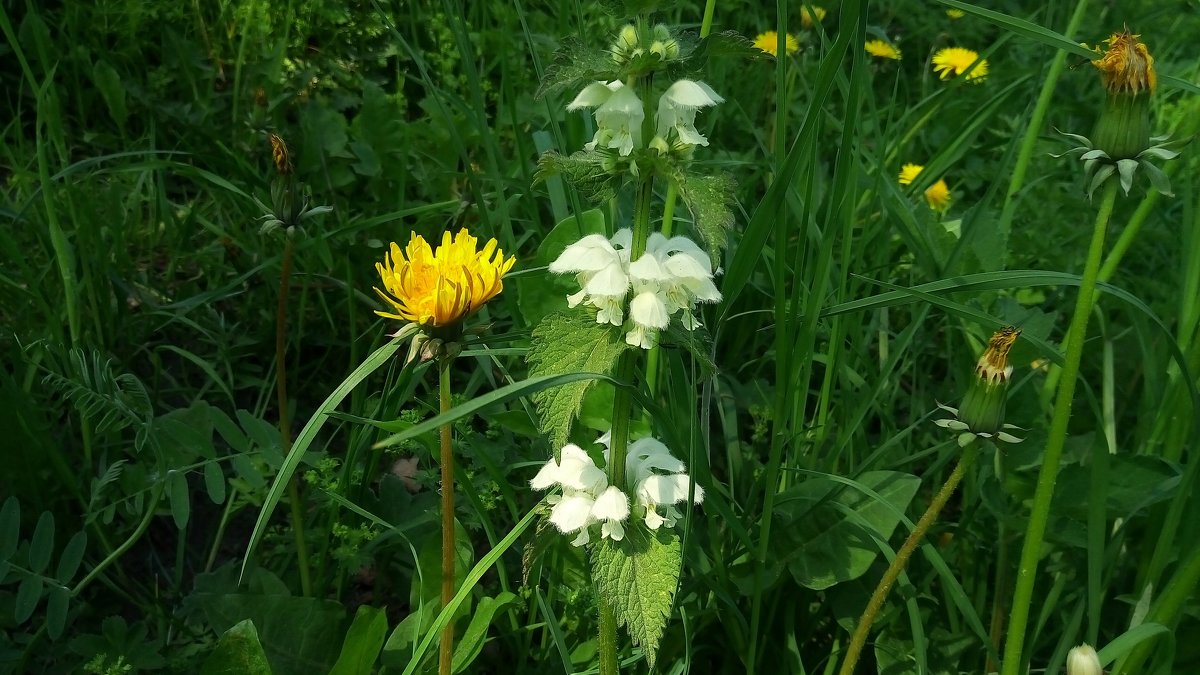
575,63
708,198
638,575
583,170
695,53
625,8
570,343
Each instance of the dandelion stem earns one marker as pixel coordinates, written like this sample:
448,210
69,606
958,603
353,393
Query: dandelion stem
1040,515
285,427
875,604
446,649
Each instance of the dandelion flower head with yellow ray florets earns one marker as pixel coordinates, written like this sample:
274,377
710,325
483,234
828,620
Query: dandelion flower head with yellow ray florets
937,196
438,289
808,13
952,61
769,41
883,49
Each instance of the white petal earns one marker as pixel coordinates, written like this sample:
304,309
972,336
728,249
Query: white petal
589,254
648,268
575,298
612,504
593,95
704,290
610,281
649,310
583,538
612,529
605,439
688,266
641,337
664,489
546,476
624,101
692,94
572,513
611,309
653,520
623,239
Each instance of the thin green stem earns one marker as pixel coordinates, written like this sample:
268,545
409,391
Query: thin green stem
446,648
155,496
1036,531
710,8
875,604
285,427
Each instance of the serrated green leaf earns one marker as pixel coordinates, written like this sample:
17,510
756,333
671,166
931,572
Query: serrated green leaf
57,603
28,594
363,642
726,44
583,170
214,482
638,575
238,652
72,555
569,343
42,544
623,9
10,527
708,198
471,643
825,520
177,495
576,63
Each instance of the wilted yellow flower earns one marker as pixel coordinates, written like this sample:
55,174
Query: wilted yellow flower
955,13
952,61
280,155
807,12
769,41
883,49
936,195
439,289
1126,66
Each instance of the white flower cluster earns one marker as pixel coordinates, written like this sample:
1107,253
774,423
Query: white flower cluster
619,114
672,276
660,481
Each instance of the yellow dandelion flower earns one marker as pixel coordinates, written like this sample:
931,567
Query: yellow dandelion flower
936,195
1127,66
952,61
955,13
439,289
883,49
769,41
909,173
808,12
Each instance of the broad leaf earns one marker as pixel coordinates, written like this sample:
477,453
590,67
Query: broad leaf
471,643
638,576
708,198
584,170
569,343
363,642
238,652
577,63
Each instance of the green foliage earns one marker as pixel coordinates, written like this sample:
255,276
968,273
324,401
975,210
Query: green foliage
709,199
577,62
363,642
569,343
584,170
638,575
238,652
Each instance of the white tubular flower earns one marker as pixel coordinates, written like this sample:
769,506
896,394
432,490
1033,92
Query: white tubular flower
1083,660
677,110
661,481
679,272
600,269
586,499
650,315
619,115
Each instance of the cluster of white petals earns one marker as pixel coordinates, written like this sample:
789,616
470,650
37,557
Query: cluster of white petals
586,500
660,482
671,277
619,114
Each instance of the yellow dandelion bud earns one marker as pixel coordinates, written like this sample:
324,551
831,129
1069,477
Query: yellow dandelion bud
769,43
883,49
810,12
1127,66
953,61
438,289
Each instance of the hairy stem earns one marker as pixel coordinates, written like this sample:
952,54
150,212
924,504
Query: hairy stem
875,604
446,648
1040,515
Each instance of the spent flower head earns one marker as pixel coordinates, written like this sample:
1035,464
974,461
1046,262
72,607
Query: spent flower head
954,61
982,410
769,43
883,49
438,289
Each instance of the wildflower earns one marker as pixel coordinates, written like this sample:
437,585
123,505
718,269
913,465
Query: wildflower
660,481
955,14
808,13
677,110
586,500
1122,135
280,155
1083,660
602,271
883,49
619,115
769,42
437,290
982,411
673,275
937,196
289,197
952,61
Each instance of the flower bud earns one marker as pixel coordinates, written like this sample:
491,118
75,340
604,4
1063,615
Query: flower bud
660,144
1127,70
659,48
1082,660
627,39
983,407
662,32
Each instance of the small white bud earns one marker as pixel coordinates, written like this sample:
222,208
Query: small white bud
1083,660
